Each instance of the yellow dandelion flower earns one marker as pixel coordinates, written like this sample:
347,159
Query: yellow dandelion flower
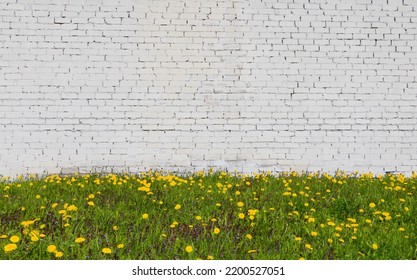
145,216
209,257
79,240
331,224
72,208
51,248
314,233
309,247
249,236
218,204
240,204
14,239
311,220
198,218
10,247
330,240
401,229
177,207
91,196
106,251
241,216
372,205
91,203
338,228
120,246
298,238
34,235
216,231
3,236
368,221
251,251
188,249
58,254
54,205
375,246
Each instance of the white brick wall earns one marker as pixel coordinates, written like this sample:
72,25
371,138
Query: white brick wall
106,85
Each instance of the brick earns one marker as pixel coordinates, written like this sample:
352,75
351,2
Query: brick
289,76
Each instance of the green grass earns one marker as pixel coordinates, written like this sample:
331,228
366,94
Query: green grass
286,216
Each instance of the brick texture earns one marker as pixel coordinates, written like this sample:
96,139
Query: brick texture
118,85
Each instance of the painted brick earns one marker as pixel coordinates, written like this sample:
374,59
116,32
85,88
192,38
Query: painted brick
104,85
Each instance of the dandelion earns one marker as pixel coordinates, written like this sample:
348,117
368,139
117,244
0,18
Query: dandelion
330,241
216,231
120,246
198,218
79,240
72,208
106,251
115,228
314,233
14,239
248,236
145,216
311,220
368,221
188,249
34,235
251,251
58,254
177,207
331,224
209,257
91,203
401,229
51,248
3,236
240,204
298,238
372,205
241,216
375,246
309,247
10,247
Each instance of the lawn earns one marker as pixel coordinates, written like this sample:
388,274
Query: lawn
209,215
